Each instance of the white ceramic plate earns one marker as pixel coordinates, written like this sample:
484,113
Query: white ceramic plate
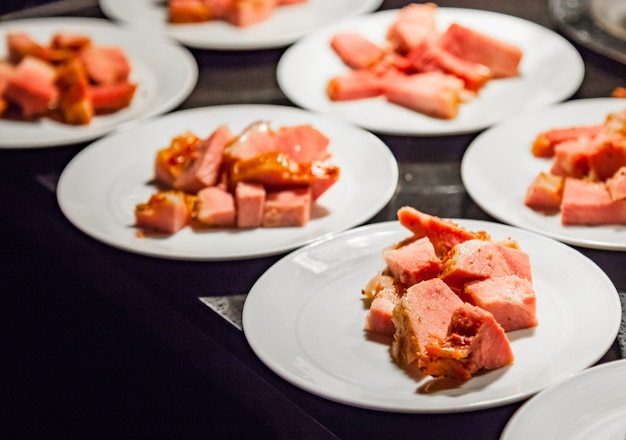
165,75
101,186
304,318
591,404
498,168
550,71
286,25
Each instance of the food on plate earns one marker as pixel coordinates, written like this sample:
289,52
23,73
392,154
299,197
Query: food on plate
420,67
261,177
70,79
585,182
242,13
448,297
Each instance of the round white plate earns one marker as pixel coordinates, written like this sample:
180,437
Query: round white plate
165,75
101,186
498,167
304,319
550,71
591,404
286,25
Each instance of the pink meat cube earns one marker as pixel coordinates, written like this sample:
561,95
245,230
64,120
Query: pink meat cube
608,155
412,261
510,299
249,200
434,94
544,143
589,203
380,315
165,211
253,141
545,193
356,84
356,51
302,143
249,12
216,207
421,317
414,24
32,87
111,97
20,45
571,158
287,207
204,168
105,64
500,57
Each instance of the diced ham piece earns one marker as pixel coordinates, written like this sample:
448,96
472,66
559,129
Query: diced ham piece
206,160
173,159
105,64
218,8
250,202
545,193
216,207
74,101
245,13
289,2
510,299
589,203
73,42
422,317
412,261
355,84
32,87
571,158
430,56
6,72
444,234
608,154
188,11
356,51
256,139
616,184
434,94
380,315
302,143
500,57
414,24
474,341
544,143
165,211
109,98
287,207
21,45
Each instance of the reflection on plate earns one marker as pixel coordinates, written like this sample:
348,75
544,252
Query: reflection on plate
101,186
590,404
304,319
286,25
498,167
165,75
551,70
591,24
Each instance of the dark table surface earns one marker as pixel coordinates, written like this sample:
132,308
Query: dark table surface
102,343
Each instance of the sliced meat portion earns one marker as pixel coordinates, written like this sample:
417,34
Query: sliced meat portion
420,318
545,193
510,299
245,13
20,45
544,143
386,294
173,159
165,211
32,87
302,143
355,50
434,94
355,84
287,207
616,184
110,98
571,158
250,202
414,24
590,203
254,140
105,64
608,154
74,101
188,11
500,57
216,207
412,261
444,234
474,341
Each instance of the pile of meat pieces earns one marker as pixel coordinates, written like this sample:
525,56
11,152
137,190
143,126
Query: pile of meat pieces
70,79
258,178
420,68
242,13
587,180
448,296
